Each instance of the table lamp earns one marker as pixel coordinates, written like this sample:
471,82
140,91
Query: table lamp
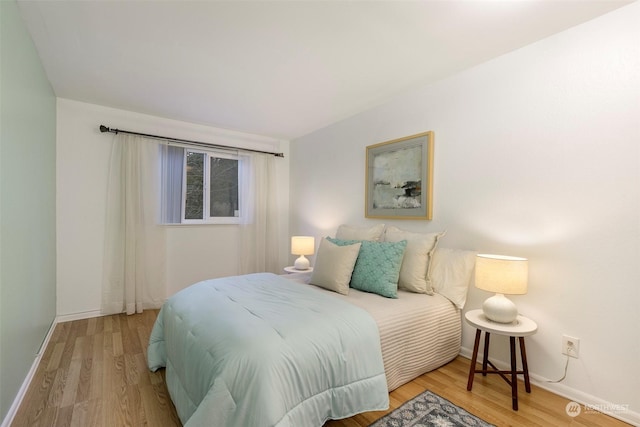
302,245
502,275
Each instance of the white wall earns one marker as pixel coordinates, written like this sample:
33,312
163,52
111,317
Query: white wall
194,253
537,154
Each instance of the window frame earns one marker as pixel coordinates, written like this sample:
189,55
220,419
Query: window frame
206,188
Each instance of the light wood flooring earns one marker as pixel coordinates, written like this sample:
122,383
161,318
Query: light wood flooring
94,373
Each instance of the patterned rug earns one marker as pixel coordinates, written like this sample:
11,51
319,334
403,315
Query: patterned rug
429,409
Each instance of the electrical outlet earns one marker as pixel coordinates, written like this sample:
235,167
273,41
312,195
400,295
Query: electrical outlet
571,346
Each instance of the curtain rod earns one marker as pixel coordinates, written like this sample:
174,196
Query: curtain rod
104,129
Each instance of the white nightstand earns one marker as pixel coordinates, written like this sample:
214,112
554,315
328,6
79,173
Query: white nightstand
292,269
520,328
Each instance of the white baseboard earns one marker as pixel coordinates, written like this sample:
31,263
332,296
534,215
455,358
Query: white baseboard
8,419
78,316
588,401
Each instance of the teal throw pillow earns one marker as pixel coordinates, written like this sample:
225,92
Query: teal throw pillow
378,266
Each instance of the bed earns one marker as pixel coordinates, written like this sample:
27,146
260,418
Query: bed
270,350
418,332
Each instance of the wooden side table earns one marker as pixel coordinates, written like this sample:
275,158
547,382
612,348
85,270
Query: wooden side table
520,328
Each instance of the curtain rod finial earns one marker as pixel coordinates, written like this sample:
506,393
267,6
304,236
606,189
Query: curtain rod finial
104,129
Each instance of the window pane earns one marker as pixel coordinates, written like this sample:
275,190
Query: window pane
194,202
223,190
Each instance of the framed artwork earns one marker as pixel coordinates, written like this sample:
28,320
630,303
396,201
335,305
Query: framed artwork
399,178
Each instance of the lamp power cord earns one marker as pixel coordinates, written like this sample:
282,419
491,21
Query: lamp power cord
564,375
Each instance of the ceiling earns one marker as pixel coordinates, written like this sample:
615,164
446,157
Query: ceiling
276,68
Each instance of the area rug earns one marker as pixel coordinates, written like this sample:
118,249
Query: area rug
429,409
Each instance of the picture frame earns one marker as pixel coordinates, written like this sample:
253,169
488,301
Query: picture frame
399,178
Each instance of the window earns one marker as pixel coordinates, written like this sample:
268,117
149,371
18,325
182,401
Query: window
208,191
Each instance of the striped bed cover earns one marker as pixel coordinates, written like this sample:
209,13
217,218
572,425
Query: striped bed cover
418,333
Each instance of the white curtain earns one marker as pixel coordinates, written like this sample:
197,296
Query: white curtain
258,248
134,258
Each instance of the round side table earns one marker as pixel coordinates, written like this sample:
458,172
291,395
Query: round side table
292,269
520,328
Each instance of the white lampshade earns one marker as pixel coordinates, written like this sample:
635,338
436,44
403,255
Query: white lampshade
502,275
302,245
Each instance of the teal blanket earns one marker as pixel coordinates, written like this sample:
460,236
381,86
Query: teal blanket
261,350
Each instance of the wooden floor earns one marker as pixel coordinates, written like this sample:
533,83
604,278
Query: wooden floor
490,400
94,373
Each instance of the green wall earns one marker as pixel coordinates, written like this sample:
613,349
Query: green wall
27,204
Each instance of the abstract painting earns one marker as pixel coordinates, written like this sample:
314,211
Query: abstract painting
399,178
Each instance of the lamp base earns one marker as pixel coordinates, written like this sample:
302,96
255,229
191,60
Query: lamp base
500,309
301,263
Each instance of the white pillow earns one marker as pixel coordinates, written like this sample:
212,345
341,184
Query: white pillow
451,272
415,270
349,232
334,265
